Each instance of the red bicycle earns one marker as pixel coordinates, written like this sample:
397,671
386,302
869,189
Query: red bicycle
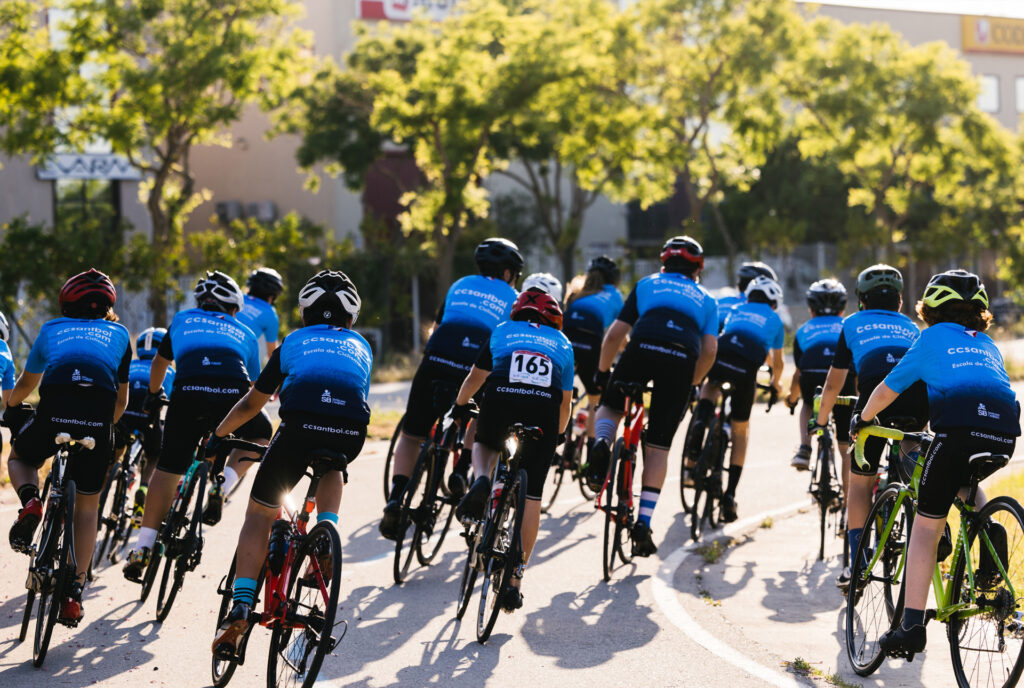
301,592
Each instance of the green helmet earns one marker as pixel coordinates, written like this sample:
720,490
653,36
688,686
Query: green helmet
879,276
955,285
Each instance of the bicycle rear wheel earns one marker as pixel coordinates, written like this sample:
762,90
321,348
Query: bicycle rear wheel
221,670
702,510
871,604
624,520
505,555
611,512
986,639
822,494
58,576
687,494
298,646
469,571
388,467
185,539
557,474
107,524
403,561
429,516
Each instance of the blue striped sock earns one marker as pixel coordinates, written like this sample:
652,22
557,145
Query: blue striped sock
244,590
604,429
853,535
327,516
648,498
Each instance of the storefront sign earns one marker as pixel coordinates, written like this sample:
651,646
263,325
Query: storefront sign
403,10
88,166
992,35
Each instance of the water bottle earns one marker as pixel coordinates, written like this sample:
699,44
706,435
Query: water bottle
278,546
581,420
499,485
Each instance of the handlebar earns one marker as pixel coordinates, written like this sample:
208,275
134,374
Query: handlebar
880,431
83,442
840,401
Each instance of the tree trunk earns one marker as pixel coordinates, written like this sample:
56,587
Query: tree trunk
157,300
566,256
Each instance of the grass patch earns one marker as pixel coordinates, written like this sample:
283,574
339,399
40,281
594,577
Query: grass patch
802,667
712,552
767,522
1014,368
705,595
394,368
382,424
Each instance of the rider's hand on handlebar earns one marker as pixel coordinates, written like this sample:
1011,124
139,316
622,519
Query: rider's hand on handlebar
813,428
857,423
151,403
213,445
461,413
16,416
601,379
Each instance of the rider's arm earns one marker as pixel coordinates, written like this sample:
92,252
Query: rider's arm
122,401
708,351
23,387
777,364
471,385
255,399
6,394
157,370
794,386
611,344
830,392
565,410
270,346
879,401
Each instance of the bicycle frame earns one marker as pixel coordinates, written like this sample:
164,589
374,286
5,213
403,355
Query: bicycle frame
632,432
276,586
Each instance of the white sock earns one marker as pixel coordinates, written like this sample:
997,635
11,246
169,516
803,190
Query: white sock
230,479
147,536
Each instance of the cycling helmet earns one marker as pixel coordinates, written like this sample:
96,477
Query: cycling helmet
751,269
217,291
265,282
608,268
495,255
537,306
767,287
5,329
329,297
827,297
955,285
879,276
149,341
681,253
545,282
88,294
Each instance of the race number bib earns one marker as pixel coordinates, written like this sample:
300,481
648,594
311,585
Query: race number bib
530,368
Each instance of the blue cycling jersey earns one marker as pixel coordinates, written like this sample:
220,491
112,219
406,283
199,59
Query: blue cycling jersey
873,341
530,359
725,306
752,330
209,344
472,309
6,367
595,312
671,307
138,382
72,351
815,343
325,372
260,317
967,383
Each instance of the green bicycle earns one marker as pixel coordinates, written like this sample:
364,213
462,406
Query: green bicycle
979,595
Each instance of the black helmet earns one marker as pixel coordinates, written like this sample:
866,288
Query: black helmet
608,268
495,255
265,282
329,297
879,276
827,297
682,254
217,291
955,285
751,269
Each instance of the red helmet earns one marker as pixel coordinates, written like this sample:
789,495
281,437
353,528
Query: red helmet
87,294
538,306
683,249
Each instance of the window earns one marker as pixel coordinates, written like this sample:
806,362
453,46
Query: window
988,99
1019,83
86,203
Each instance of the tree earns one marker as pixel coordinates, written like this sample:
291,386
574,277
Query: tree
169,75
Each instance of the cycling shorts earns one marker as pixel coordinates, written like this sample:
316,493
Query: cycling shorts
908,413
195,409
946,466
741,373
432,393
258,427
671,369
80,412
809,383
502,409
152,432
292,447
586,350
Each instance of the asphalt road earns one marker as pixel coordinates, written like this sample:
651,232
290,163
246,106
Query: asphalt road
671,620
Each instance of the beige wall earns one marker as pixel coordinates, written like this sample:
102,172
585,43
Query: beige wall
22,194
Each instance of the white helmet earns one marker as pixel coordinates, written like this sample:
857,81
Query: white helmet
546,283
329,293
767,287
218,290
5,329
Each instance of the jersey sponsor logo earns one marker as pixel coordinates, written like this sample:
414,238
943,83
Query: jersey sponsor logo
827,352
76,376
207,362
894,328
536,392
326,398
954,350
211,390
662,349
574,315
994,438
971,333
672,326
328,428
137,385
889,358
467,343
78,421
985,413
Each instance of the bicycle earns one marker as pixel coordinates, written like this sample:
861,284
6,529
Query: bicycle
301,590
388,468
52,566
686,492
983,601
570,459
826,488
495,543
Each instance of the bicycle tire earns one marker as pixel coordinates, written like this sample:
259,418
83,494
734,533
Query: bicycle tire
105,528
702,510
821,495
428,543
400,568
1002,624
184,527
388,461
152,569
555,477
686,494
50,598
289,644
611,513
581,475
468,580
624,523
871,609
499,570
221,670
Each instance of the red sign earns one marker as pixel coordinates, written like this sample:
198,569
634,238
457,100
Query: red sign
404,10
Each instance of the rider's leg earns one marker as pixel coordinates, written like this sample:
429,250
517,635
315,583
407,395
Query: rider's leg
805,418
86,528
24,478
652,480
406,450
592,403
158,502
484,459
740,433
531,525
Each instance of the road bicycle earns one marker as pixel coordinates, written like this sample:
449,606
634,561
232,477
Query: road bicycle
300,590
691,438
826,487
495,543
570,460
388,464
52,566
979,594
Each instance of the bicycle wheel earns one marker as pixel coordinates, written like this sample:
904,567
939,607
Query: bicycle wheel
468,580
185,539
870,604
624,514
391,453
298,646
702,510
149,577
557,474
56,576
429,534
687,494
986,639
221,670
577,467
822,494
403,561
611,512
106,523
505,556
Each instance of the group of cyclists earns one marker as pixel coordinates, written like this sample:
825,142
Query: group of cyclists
498,357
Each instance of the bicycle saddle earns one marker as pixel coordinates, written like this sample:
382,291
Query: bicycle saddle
985,464
904,423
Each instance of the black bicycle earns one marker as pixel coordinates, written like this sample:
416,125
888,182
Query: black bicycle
826,488
569,461
388,463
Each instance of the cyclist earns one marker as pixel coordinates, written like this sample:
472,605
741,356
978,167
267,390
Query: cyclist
591,307
323,372
545,282
474,306
748,271
813,349
542,398
217,357
6,361
972,410
753,333
80,363
871,343
671,321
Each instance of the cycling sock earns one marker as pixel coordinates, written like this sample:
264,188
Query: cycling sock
912,617
147,537
465,458
398,483
853,535
327,516
27,492
648,499
230,479
604,429
734,480
244,591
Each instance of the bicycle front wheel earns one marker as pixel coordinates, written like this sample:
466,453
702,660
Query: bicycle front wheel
986,638
611,512
822,495
186,540
108,523
403,560
55,576
556,474
706,482
469,571
298,646
504,557
687,494
431,522
388,463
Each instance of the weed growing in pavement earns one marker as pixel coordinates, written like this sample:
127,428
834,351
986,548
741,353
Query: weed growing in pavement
767,522
712,552
804,668
704,594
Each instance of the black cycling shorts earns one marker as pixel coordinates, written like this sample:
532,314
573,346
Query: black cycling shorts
258,427
908,413
195,409
809,383
432,393
152,432
292,447
80,412
945,468
504,408
742,375
671,369
586,350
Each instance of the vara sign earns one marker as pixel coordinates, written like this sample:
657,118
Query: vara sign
87,166
403,10
992,35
